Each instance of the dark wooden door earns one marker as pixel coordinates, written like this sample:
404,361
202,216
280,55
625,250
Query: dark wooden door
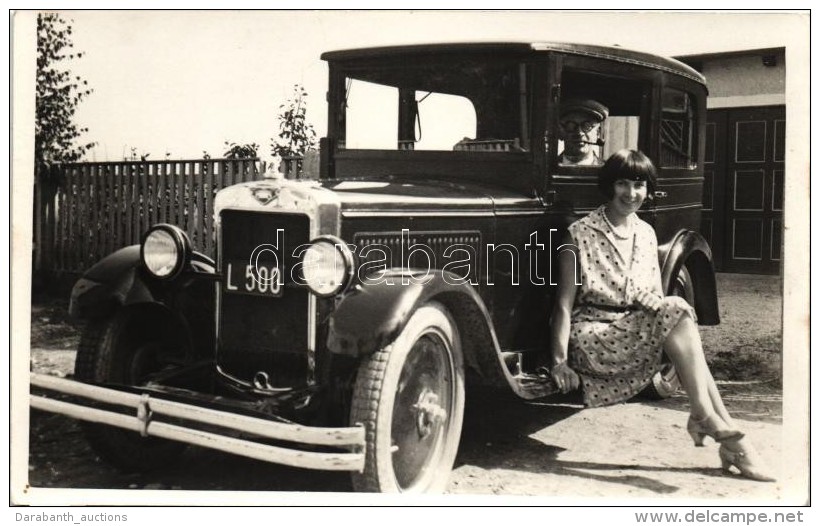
743,194
713,217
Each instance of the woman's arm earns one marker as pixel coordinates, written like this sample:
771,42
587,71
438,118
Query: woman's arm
569,271
649,296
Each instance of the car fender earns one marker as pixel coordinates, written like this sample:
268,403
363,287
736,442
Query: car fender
691,249
119,280
371,316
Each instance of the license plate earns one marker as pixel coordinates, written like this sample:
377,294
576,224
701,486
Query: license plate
258,280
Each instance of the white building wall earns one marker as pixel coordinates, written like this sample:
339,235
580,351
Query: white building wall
738,81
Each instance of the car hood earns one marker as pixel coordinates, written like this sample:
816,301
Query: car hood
403,196
382,196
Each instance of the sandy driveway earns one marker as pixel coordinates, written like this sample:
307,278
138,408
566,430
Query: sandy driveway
638,449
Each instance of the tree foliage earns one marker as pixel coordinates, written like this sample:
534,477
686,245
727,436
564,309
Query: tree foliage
59,92
296,135
241,151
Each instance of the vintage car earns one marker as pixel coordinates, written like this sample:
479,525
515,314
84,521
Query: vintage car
345,318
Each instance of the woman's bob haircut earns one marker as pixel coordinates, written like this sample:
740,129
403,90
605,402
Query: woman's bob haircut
627,164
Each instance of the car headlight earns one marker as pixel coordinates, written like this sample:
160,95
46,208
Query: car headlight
327,266
165,251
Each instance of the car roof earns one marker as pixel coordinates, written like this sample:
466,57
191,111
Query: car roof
617,54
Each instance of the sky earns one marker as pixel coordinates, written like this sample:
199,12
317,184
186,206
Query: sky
181,83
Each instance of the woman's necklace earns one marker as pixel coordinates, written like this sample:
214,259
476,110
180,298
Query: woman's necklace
619,235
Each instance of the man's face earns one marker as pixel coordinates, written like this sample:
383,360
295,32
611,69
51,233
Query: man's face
577,129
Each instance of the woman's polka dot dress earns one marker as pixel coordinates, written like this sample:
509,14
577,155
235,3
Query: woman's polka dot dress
615,346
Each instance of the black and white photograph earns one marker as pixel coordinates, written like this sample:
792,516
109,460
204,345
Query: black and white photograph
355,257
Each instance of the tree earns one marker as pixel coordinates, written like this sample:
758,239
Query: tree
241,151
59,92
296,135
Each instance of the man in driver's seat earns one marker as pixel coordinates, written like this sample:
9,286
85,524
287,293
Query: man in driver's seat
579,128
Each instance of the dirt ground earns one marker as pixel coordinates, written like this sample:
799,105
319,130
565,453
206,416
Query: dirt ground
552,448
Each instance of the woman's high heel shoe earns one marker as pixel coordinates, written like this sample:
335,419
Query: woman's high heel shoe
699,429
745,459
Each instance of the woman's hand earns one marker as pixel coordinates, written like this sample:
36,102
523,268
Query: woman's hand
565,378
648,300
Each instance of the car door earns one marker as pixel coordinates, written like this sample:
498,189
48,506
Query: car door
678,156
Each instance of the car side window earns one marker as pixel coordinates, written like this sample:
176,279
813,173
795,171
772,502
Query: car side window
678,148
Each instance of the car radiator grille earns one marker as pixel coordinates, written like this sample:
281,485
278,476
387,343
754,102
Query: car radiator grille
260,331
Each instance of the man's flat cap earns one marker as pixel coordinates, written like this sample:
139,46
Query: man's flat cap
589,106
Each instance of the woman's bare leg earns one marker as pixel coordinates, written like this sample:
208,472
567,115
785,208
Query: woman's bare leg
717,402
687,356
693,335
683,346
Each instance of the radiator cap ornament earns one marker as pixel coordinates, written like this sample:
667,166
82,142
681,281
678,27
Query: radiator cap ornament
265,194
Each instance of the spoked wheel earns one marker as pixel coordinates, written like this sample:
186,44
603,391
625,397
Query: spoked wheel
124,350
666,382
410,398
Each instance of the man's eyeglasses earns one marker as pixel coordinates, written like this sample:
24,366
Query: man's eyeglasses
585,126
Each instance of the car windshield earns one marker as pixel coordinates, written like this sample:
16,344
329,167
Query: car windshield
456,106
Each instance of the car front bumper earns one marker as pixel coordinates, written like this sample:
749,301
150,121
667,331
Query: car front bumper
150,415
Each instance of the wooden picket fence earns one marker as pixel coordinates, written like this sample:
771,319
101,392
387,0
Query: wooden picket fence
84,211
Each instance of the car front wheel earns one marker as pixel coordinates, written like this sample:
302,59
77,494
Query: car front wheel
124,349
410,398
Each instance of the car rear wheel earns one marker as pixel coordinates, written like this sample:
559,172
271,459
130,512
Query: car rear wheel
410,398
666,381
123,349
